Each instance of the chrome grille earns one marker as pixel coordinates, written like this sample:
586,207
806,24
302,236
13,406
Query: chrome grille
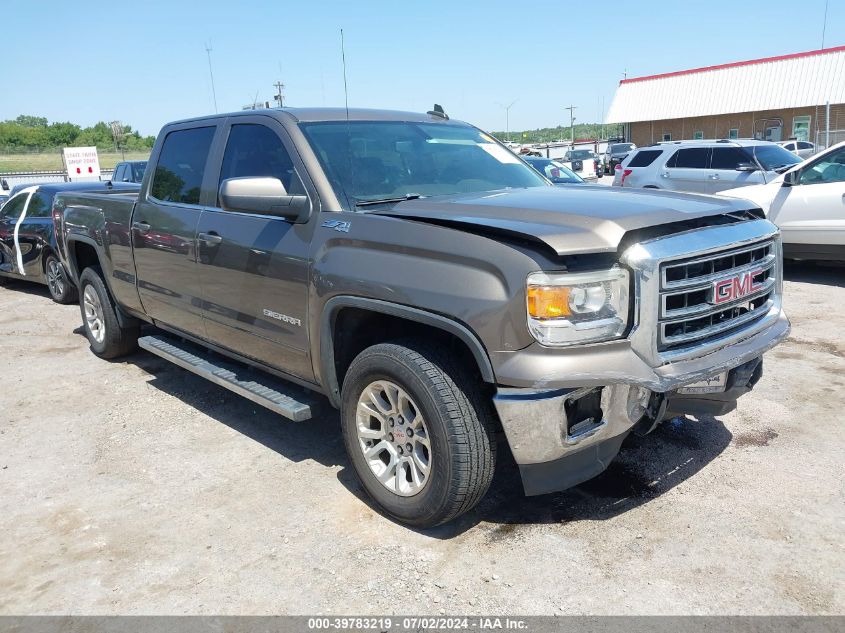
703,298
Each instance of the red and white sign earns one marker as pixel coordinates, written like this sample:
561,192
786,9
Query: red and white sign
736,287
81,163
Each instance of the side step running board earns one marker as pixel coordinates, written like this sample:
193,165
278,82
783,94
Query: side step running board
264,389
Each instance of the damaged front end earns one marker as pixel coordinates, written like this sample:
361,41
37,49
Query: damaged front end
689,351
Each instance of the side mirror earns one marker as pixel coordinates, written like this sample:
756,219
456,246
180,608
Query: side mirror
266,196
791,178
746,167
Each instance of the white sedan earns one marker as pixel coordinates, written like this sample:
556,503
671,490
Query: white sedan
808,205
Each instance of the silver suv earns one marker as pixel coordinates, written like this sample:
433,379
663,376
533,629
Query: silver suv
703,166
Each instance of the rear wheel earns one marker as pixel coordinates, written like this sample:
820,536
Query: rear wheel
418,431
60,287
108,339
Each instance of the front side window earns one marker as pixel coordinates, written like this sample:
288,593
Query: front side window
773,157
13,208
828,168
690,158
257,151
119,173
805,145
728,157
371,161
181,165
39,206
801,128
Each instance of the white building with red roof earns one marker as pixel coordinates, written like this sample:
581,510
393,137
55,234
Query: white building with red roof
774,98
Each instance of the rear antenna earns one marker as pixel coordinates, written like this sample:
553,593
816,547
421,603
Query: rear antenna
348,130
438,112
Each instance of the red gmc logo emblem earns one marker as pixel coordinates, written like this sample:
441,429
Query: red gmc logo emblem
736,287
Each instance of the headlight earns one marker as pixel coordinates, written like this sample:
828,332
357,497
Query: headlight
571,308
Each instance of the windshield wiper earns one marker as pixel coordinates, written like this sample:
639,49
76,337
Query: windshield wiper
407,196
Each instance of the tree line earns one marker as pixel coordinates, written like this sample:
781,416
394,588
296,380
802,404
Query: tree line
561,133
29,133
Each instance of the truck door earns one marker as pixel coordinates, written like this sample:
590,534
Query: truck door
164,226
687,170
254,268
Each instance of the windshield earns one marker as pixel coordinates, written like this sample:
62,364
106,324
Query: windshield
382,160
618,148
772,157
579,154
555,171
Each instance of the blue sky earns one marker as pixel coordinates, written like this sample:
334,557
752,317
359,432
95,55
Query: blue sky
144,62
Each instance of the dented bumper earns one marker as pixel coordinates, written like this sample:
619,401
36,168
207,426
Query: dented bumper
558,443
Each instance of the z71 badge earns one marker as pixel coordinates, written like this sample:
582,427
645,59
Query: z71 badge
338,225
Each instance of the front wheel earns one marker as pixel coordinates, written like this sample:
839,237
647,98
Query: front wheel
60,287
418,431
107,338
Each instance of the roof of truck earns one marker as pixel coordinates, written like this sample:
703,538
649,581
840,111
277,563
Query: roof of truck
329,114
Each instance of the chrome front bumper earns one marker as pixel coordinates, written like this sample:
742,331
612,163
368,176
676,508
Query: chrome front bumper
534,419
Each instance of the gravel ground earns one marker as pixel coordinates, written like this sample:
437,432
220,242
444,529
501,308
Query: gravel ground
134,487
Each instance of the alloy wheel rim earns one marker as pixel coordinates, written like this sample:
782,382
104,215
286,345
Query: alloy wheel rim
94,314
55,278
393,437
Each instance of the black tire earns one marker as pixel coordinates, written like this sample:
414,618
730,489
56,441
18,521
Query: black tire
61,287
459,423
116,340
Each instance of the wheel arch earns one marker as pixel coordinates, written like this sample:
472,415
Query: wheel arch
350,324
82,252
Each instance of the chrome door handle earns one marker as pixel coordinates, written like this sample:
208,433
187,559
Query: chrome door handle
212,239
141,227
665,174
714,176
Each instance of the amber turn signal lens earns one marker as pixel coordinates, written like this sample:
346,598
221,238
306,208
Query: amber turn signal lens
548,302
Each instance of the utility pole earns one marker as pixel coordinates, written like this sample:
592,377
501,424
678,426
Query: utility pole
279,96
572,109
208,50
507,119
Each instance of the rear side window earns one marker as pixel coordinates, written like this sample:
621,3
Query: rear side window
181,165
728,157
690,158
256,150
644,157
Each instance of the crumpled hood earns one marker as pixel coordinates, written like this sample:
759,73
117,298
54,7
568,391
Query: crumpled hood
570,219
